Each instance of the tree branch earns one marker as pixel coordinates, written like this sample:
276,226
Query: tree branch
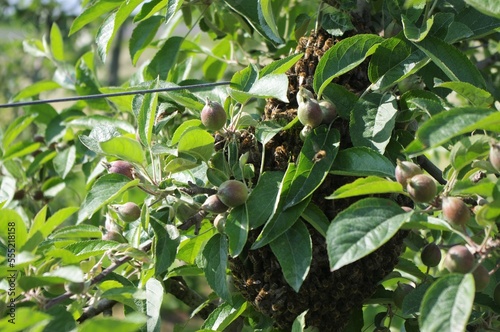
145,247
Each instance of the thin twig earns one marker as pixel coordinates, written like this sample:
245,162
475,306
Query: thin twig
115,94
101,276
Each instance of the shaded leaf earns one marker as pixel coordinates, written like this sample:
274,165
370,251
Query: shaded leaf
311,171
225,314
142,35
263,197
293,249
237,227
451,61
213,260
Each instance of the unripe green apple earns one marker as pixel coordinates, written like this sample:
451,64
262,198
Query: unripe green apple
213,115
496,294
431,255
406,170
481,278
455,211
55,289
329,111
75,287
495,155
220,223
214,205
114,236
422,188
128,212
309,112
232,193
459,259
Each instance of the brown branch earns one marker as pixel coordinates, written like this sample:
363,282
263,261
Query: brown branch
177,287
102,306
432,169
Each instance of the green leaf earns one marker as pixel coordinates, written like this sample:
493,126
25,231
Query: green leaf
250,10
413,33
262,199
474,95
35,89
129,323
343,57
361,229
336,22
444,126
487,7
150,8
142,35
451,61
154,295
191,247
56,43
372,121
104,191
225,314
293,249
343,99
145,107
16,127
281,220
64,161
108,29
93,10
77,231
447,304
362,161
468,150
124,148
26,318
167,242
316,218
42,228
281,66
164,59
20,149
311,171
213,261
367,186
299,323
172,7
86,81
89,248
266,130
237,227
197,143
479,23
394,60
13,222
269,86
266,18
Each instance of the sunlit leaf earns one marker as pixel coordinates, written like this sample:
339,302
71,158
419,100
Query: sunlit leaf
361,229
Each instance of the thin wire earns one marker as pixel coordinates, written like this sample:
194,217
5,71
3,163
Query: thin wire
115,94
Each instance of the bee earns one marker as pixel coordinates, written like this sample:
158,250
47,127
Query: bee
319,156
251,281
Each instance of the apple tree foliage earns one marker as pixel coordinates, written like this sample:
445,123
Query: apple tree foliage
434,92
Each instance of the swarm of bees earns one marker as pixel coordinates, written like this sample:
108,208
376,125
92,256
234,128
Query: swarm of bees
329,297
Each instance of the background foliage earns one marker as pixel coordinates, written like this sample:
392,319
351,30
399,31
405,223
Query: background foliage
411,80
